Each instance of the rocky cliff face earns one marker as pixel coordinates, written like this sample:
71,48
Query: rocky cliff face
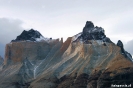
1,62
90,32
86,60
31,35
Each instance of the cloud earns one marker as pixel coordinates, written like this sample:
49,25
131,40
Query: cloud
66,17
48,16
129,47
10,28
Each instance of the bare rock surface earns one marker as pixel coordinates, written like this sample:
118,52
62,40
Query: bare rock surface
86,60
1,63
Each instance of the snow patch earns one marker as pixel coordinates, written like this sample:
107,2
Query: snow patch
129,56
76,36
42,39
98,29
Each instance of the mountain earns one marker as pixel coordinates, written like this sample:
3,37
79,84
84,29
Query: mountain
92,33
86,60
31,35
2,48
1,62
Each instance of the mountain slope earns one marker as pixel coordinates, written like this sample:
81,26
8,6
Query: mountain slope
86,60
1,63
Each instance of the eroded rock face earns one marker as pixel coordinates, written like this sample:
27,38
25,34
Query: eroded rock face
31,35
1,60
18,51
86,60
29,60
90,32
125,53
1,63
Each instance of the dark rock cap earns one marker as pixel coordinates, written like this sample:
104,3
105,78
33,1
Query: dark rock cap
89,24
119,43
28,35
123,52
90,32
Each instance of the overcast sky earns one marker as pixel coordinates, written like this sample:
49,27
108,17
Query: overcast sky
64,18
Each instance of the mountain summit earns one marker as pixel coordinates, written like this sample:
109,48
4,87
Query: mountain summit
31,35
90,32
86,60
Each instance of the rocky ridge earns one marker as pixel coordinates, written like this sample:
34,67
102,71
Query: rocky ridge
1,62
86,60
90,32
125,53
31,35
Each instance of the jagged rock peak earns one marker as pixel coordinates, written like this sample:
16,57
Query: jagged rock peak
30,35
119,43
125,53
89,24
91,32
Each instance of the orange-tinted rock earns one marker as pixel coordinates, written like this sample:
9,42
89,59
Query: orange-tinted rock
73,64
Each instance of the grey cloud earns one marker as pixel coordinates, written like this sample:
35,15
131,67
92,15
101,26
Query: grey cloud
99,8
44,10
9,28
68,15
129,47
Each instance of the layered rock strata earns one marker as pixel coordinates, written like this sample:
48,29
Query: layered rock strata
86,60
